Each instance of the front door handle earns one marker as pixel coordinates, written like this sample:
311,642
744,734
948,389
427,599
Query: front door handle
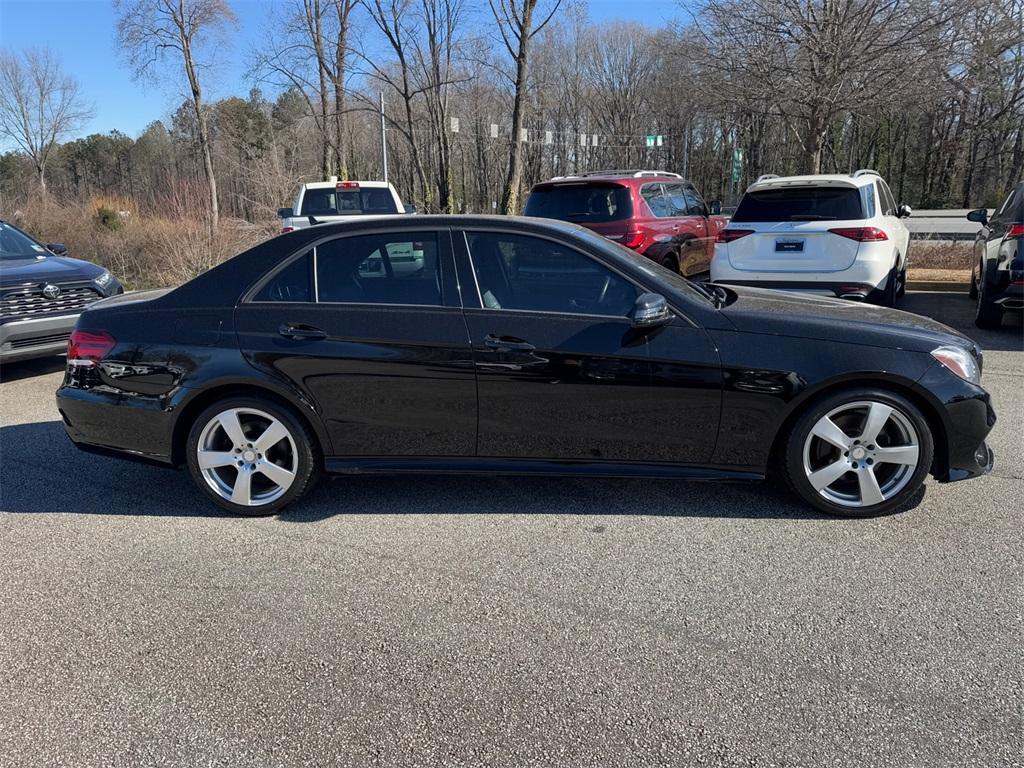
301,331
507,343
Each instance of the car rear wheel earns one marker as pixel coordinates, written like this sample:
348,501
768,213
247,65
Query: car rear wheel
891,292
251,455
973,292
988,315
859,453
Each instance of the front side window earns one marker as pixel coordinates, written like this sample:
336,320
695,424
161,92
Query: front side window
888,204
516,272
380,269
694,204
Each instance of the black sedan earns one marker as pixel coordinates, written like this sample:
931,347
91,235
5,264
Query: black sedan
997,278
516,346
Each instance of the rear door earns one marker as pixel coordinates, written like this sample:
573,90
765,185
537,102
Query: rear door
791,229
369,328
562,374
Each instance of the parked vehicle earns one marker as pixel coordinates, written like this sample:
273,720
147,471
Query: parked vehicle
42,291
997,278
833,235
323,202
523,347
656,213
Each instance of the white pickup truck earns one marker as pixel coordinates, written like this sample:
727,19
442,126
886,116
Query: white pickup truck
321,202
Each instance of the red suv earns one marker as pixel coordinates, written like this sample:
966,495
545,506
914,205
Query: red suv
656,213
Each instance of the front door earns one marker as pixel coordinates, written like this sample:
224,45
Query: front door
370,330
563,375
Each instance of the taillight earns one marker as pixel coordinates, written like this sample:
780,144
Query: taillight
861,234
1015,230
87,348
286,230
633,238
728,235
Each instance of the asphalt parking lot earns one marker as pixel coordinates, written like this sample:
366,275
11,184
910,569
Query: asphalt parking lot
455,621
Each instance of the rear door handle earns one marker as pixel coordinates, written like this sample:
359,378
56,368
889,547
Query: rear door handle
300,331
507,343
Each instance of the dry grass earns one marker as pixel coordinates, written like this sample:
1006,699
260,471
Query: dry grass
941,254
143,251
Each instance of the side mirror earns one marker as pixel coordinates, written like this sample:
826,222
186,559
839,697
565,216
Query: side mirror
715,207
57,249
409,208
905,211
650,311
978,216
285,213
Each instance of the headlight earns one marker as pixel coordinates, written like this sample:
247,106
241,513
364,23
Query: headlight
959,361
104,279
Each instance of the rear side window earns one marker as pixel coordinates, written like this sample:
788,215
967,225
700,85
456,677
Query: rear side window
380,269
347,202
657,200
584,203
803,204
293,283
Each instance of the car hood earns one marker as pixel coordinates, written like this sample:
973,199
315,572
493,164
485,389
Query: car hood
758,310
49,269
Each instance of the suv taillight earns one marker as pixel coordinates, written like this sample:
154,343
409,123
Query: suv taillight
1015,230
861,234
633,238
728,235
87,348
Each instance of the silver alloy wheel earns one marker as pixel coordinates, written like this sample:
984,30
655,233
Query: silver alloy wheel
869,467
247,456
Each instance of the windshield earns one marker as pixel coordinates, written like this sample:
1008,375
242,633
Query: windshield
646,265
347,202
583,203
804,204
15,244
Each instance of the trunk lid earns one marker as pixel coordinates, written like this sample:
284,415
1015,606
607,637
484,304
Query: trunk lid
792,246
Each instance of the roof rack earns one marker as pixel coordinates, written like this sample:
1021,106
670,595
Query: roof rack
766,176
865,172
635,173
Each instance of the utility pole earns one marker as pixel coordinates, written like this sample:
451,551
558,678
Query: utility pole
383,138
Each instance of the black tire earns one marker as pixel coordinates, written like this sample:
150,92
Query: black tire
973,290
890,293
796,476
902,283
988,315
670,261
307,458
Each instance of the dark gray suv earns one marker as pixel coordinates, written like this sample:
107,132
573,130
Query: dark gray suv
42,292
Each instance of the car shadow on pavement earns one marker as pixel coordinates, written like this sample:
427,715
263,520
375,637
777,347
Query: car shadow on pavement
957,311
98,485
24,369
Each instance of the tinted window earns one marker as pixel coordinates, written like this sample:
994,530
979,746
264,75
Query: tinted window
888,204
694,203
656,200
805,204
380,269
533,274
580,202
344,202
869,201
293,283
676,198
14,244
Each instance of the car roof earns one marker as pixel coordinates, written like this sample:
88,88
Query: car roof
334,184
854,180
635,176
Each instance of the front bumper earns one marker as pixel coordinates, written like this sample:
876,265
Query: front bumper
38,337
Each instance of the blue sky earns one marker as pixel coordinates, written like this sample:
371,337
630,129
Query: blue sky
83,34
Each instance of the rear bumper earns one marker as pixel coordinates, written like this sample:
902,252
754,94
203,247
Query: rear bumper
38,337
857,291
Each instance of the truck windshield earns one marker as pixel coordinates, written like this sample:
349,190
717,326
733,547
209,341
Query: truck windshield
347,202
582,203
804,204
15,244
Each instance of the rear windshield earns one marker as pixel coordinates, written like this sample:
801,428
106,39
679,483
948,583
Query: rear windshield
804,204
346,202
15,244
584,203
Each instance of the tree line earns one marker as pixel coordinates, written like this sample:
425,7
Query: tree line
481,103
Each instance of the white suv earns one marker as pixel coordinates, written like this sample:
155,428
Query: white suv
830,234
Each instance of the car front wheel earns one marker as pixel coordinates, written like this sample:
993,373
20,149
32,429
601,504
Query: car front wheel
251,456
859,453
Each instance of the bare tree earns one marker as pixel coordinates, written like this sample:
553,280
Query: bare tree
39,105
150,29
517,28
